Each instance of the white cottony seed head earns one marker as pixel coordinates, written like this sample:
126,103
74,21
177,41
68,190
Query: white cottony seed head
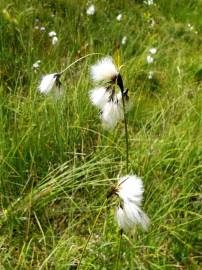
149,2
124,40
150,59
90,10
129,213
54,40
52,34
153,50
36,65
47,83
150,75
119,17
112,113
104,69
99,96
42,28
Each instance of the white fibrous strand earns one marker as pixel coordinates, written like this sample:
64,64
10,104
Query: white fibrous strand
48,82
129,213
104,70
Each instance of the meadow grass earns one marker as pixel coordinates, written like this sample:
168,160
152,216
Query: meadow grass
56,161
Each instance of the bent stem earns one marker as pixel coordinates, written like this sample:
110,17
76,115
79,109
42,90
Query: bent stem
78,60
89,237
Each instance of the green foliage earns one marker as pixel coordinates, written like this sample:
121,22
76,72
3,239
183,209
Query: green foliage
56,161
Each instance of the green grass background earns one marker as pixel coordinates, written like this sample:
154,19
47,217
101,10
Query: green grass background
56,161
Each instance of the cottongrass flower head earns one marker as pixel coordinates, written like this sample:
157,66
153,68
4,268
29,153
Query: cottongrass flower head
54,40
48,82
150,75
150,59
42,28
153,50
36,65
149,2
104,70
111,104
113,112
119,17
129,213
124,40
190,27
90,10
52,34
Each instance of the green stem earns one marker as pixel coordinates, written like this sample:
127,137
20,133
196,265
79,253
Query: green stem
126,133
90,235
78,60
119,251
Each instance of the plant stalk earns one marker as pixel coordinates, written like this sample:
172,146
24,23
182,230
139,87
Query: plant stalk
119,251
126,133
78,60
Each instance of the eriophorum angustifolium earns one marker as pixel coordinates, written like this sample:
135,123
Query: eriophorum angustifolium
57,162
48,82
90,10
105,97
129,213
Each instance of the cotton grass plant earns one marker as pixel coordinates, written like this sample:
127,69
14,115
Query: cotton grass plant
113,109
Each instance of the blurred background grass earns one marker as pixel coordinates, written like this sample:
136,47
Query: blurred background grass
56,161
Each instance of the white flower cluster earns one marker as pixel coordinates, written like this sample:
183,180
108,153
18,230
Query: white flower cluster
129,213
105,98
53,37
90,10
149,2
36,65
150,60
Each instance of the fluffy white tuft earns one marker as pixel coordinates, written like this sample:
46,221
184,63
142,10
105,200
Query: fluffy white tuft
130,190
124,40
104,69
119,17
150,59
54,40
36,65
153,50
52,34
99,96
47,83
90,10
112,113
